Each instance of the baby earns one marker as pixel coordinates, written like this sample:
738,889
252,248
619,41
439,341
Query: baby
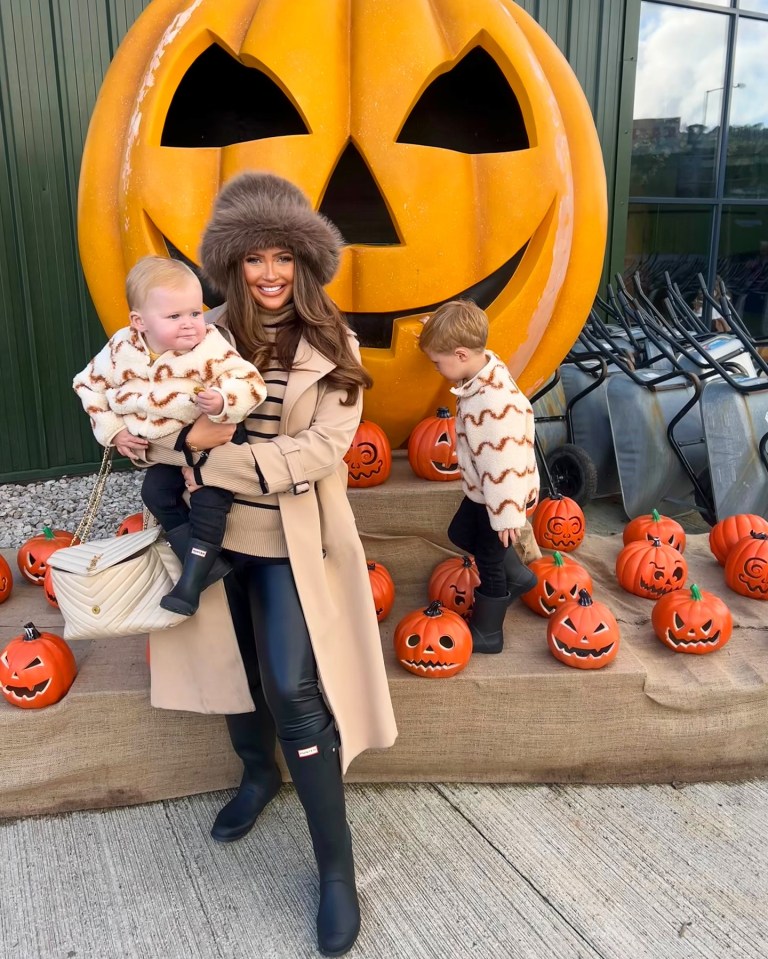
155,377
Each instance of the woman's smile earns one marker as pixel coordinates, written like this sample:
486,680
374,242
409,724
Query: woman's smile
269,275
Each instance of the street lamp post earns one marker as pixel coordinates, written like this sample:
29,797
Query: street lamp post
736,86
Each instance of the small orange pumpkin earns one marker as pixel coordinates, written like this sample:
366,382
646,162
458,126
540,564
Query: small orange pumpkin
6,580
559,523
369,458
434,642
725,535
131,524
36,669
655,526
559,581
583,633
383,589
650,569
696,622
48,590
746,569
33,554
432,447
453,583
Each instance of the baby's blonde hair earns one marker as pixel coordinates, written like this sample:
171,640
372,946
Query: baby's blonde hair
456,323
151,271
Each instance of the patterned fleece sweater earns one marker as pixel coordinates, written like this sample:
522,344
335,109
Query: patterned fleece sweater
122,388
494,443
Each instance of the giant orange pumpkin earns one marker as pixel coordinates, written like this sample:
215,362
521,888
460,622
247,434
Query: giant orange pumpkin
434,643
725,535
449,140
32,555
36,669
6,580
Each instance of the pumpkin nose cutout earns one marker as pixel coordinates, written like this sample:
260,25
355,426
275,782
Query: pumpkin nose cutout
354,203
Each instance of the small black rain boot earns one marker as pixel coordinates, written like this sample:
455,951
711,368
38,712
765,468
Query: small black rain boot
487,623
316,772
253,739
184,598
178,540
520,579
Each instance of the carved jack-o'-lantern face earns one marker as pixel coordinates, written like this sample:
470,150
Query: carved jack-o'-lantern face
432,448
746,568
32,556
692,622
650,569
6,580
559,523
36,669
369,457
559,580
434,643
467,164
583,633
453,583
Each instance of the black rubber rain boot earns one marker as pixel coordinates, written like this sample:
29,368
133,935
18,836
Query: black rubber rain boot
178,540
316,772
487,623
520,579
184,598
253,739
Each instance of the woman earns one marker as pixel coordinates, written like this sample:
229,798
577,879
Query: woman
298,593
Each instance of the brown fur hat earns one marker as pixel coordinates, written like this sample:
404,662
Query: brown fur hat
256,211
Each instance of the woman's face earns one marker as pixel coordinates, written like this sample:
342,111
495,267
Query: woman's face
269,275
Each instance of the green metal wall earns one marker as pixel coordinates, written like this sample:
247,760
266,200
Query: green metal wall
53,56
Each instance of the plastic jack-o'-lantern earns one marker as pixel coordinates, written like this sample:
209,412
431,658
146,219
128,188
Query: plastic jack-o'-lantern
383,589
453,583
33,554
425,185
434,643
746,569
131,524
583,633
432,447
36,669
650,569
559,581
655,526
559,523
48,590
725,535
369,458
696,622
6,580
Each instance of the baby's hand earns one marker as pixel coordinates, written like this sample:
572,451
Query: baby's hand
509,536
129,445
210,402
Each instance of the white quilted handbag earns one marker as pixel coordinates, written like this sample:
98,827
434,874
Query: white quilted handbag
113,587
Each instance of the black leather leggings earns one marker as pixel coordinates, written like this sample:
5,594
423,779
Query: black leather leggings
274,643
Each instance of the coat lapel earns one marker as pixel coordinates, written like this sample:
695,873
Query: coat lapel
309,366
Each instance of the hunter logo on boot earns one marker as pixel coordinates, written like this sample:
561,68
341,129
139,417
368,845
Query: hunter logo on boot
309,751
196,551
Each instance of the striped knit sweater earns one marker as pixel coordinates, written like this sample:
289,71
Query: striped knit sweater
494,443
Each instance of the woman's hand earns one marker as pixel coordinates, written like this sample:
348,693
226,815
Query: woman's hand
205,434
129,445
189,479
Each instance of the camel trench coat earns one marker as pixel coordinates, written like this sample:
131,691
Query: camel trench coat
197,666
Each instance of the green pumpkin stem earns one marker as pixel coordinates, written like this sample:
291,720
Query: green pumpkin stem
584,598
558,559
48,532
696,592
655,515
30,632
434,609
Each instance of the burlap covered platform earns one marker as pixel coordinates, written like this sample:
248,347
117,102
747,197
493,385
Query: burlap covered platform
652,715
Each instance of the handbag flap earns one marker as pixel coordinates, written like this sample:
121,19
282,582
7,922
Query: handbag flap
90,558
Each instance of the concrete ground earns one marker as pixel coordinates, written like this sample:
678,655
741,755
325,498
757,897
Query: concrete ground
541,872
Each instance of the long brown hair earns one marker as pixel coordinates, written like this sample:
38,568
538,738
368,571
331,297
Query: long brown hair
316,317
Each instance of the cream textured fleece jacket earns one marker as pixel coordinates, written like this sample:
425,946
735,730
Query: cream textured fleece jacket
121,388
494,444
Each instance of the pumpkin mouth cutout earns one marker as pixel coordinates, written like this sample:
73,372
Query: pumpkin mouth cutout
689,643
583,653
359,474
426,666
26,692
754,587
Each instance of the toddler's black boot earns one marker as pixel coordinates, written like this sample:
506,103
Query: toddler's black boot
178,540
520,579
184,598
487,623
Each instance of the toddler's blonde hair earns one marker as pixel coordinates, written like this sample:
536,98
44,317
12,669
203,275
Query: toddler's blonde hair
456,323
151,271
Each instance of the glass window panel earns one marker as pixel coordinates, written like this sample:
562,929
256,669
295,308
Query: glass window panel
664,237
743,263
746,172
758,6
678,101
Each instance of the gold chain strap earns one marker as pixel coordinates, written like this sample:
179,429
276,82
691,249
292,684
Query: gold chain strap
83,530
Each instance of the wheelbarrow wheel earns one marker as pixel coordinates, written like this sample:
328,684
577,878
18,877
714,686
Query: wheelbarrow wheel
573,472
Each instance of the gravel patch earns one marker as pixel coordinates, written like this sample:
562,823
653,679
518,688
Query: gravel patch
60,504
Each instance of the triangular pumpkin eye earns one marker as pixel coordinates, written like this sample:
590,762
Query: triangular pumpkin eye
705,627
220,101
470,109
567,622
678,621
35,662
601,627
